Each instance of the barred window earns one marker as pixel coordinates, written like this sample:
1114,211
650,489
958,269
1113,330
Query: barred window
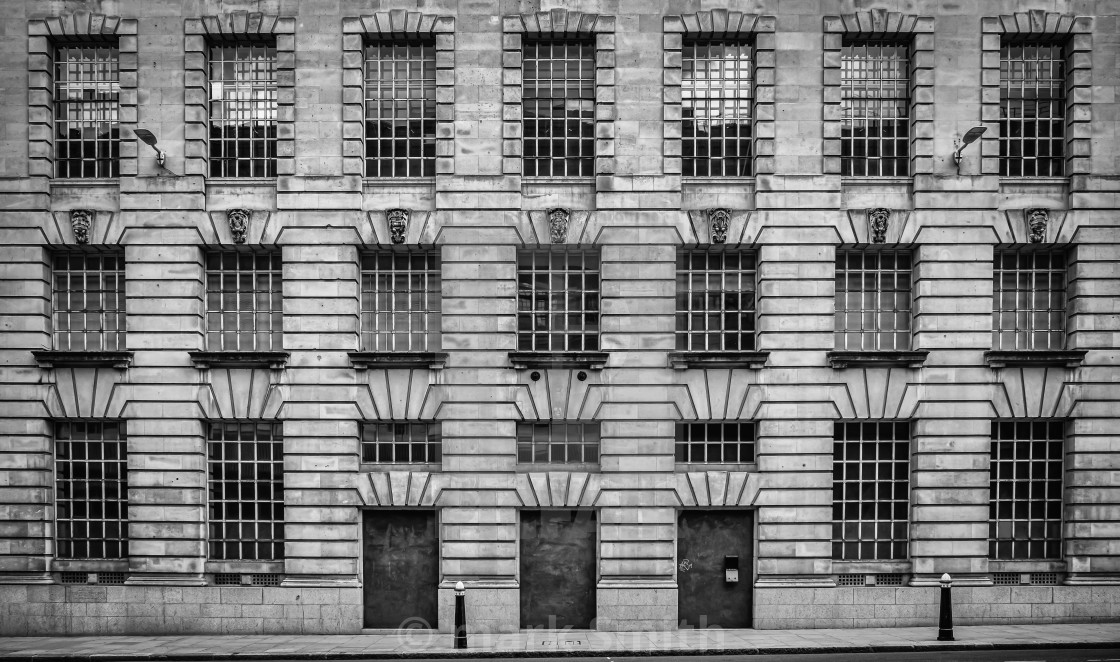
870,491
716,442
715,300
243,102
875,107
400,129
558,108
717,95
1030,299
88,301
87,110
1025,514
91,504
873,299
1032,109
401,443
557,443
246,463
401,301
558,300
244,301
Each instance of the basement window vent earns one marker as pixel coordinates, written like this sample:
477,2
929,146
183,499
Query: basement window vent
227,579
264,580
238,579
110,577
893,579
1006,578
851,580
1044,578
75,577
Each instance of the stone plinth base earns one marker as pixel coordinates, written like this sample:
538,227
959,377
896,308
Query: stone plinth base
492,607
628,607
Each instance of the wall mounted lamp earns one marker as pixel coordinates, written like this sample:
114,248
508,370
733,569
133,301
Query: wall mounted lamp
149,139
970,137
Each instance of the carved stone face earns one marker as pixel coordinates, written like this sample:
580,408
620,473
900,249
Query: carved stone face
81,220
398,224
558,225
878,219
719,218
1036,222
238,224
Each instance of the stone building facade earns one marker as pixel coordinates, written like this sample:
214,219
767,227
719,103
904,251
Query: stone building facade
383,310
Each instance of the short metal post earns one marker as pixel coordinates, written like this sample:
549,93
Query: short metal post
945,626
460,615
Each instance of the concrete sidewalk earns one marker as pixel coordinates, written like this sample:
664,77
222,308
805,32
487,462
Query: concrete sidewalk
543,643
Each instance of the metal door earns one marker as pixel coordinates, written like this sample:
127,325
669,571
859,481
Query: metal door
558,568
707,542
401,569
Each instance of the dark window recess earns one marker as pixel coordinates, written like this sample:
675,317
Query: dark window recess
715,442
558,300
558,108
873,299
243,109
1025,518
246,463
870,491
244,301
87,110
557,443
715,300
401,301
401,443
1030,300
874,106
91,498
88,301
717,96
1032,109
400,89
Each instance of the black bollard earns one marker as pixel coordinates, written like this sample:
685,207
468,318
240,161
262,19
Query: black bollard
460,616
945,626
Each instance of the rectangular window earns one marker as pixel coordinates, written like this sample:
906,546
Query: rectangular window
400,81
875,107
716,442
1030,299
1025,517
873,299
88,301
87,110
401,301
1032,109
401,443
246,463
870,491
244,301
715,300
717,95
91,484
557,443
558,108
558,300
243,102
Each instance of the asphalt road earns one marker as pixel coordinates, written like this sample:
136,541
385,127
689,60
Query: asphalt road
1065,655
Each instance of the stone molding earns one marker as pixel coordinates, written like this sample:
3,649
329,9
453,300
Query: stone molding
42,35
717,488
559,23
719,23
390,25
882,24
201,32
1076,34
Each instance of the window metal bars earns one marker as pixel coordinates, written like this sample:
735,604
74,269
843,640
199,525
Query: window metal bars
400,95
1030,299
715,300
1032,110
246,488
558,300
558,443
558,108
402,443
87,110
91,490
401,301
244,301
873,299
875,109
1025,513
870,491
717,95
243,109
715,442
88,303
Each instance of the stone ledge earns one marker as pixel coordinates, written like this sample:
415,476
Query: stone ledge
86,359
749,360
366,360
546,360
1068,358
236,359
877,359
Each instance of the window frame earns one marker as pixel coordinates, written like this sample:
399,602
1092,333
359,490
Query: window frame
683,438
1030,481
427,163
533,332
1063,103
120,334
584,163
275,332
998,330
105,167
122,485
875,482
742,42
374,339
841,329
433,443
278,524
687,334
530,428
271,144
847,162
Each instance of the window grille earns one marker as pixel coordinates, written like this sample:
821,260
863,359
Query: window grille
1030,299
244,301
271,579
70,577
227,579
715,300
400,82
891,579
873,299
851,580
875,107
243,103
558,300
1006,578
401,443
88,301
87,110
1025,517
557,443
1032,109
723,442
870,491
717,95
1044,578
111,577
246,462
91,499
401,301
558,108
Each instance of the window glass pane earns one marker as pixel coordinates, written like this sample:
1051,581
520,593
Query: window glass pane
558,300
870,491
400,110
1026,490
91,490
246,484
1032,108
874,312
558,108
874,107
558,443
242,109
244,301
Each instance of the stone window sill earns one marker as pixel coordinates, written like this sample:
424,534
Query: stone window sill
392,467
872,567
554,467
693,467
1026,566
366,360
237,359
547,360
749,360
877,359
1070,358
89,565
247,567
86,359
